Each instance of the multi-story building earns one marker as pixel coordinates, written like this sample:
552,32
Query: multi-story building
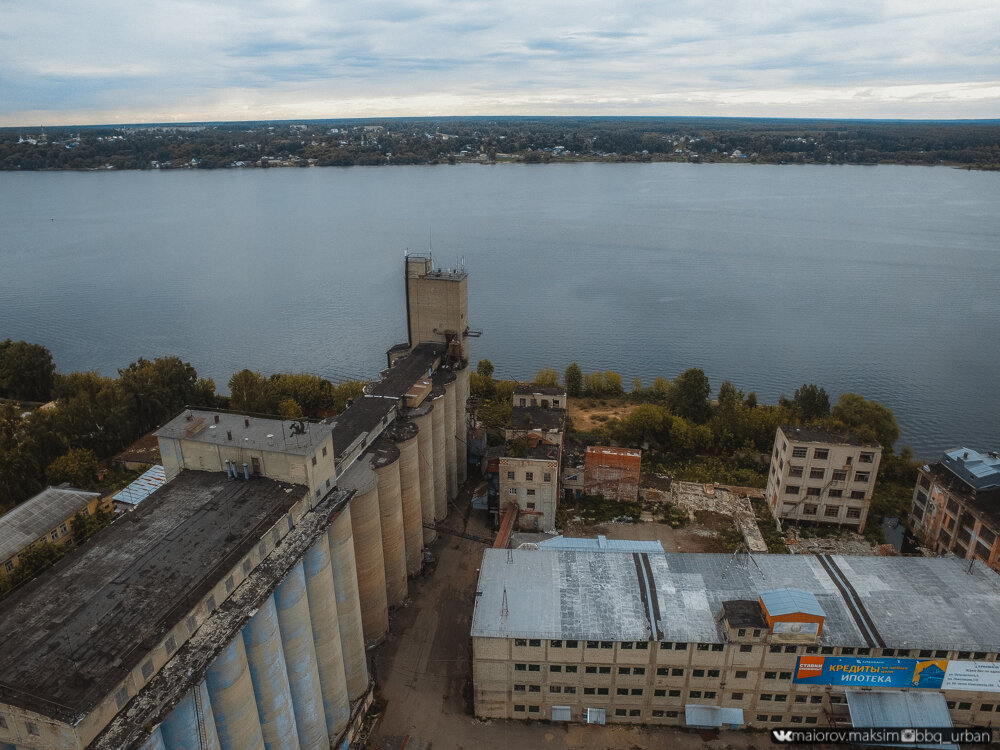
46,517
612,472
233,607
821,477
706,639
956,505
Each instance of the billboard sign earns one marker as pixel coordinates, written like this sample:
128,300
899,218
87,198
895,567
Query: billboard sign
979,676
870,671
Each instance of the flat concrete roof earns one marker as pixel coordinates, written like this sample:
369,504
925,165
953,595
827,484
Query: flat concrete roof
819,434
258,433
37,516
913,603
70,635
536,417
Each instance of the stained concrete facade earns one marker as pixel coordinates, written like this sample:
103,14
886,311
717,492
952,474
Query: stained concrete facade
820,477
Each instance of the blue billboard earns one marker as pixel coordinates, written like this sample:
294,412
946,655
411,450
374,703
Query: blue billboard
870,671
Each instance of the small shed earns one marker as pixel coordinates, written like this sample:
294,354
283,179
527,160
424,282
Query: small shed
792,611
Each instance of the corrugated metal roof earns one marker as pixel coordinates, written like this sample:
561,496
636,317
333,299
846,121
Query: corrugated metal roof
979,471
149,482
788,601
896,708
600,543
712,716
36,517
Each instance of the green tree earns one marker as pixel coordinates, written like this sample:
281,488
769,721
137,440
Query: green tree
485,368
868,419
26,371
344,392
810,403
660,390
311,393
689,396
646,424
157,390
78,468
546,377
288,408
613,383
251,392
573,378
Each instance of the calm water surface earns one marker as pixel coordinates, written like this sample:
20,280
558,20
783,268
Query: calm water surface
878,280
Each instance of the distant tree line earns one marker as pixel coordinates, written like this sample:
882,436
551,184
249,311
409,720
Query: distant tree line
92,417
532,140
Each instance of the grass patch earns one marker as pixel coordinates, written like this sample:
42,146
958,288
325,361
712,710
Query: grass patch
765,522
673,516
595,509
707,469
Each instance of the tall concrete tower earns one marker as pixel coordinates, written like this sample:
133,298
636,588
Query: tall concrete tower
437,305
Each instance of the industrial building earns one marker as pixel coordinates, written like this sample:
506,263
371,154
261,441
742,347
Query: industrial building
233,607
821,477
611,634
46,517
956,505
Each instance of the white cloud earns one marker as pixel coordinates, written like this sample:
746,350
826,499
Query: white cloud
108,60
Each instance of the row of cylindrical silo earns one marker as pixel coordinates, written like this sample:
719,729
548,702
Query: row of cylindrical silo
405,435
288,679
461,425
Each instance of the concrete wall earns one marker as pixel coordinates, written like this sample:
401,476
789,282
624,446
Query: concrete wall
370,561
440,459
349,620
451,444
435,303
425,456
393,539
535,491
409,489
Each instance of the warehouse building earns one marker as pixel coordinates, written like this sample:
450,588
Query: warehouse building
712,640
232,609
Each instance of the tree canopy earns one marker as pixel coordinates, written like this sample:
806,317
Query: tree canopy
27,371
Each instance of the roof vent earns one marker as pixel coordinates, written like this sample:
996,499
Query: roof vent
217,419
246,421
965,456
229,434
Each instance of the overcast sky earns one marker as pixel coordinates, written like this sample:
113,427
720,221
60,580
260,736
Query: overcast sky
105,61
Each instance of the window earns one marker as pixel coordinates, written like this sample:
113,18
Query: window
546,477
791,649
746,648
964,706
798,452
569,689
192,624
520,641
324,450
230,584
602,691
624,670
861,476
121,697
590,670
866,458
63,529
984,707
662,671
534,689
54,535
3,722
703,647
812,649
246,566
698,673
800,699
534,668
677,672
784,675
8,566
839,475
813,491
621,691
770,675
864,652
621,712
680,647
794,470
791,489
626,644
760,717
210,603
796,719
717,647
534,642
854,512
520,667
674,693
811,719
659,693
809,509
589,691
694,694
519,688
815,698
642,645
836,493
831,511
604,670
519,707
821,454
32,728
737,696
816,473
555,668
765,696
638,670
709,694
657,714
606,644
512,490
571,669
775,649
775,718
857,495
741,674
572,644
555,689
510,474
531,493
170,645
636,691
314,460
713,673
529,476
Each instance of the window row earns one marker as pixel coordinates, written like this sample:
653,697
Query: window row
529,476
795,489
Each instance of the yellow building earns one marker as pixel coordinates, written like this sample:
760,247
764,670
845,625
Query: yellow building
44,518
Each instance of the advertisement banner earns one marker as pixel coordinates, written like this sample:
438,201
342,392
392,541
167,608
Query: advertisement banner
870,671
979,676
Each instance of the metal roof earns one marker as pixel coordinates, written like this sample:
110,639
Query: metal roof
37,516
898,708
589,595
149,482
711,716
791,601
601,543
977,470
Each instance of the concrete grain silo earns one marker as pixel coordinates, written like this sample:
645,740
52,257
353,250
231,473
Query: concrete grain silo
405,435
440,460
269,675
448,380
422,417
366,532
461,424
385,461
180,730
349,620
233,705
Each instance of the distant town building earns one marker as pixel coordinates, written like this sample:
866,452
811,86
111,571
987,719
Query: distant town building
705,640
46,517
821,477
956,505
612,472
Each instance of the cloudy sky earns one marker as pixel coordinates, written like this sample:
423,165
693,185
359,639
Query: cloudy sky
100,61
